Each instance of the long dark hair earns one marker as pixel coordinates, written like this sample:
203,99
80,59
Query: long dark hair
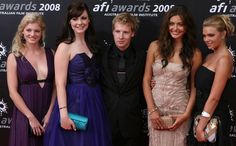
166,42
76,9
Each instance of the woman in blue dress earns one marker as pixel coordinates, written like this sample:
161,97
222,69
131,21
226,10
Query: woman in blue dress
77,85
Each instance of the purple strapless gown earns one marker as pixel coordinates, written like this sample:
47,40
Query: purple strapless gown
37,99
84,98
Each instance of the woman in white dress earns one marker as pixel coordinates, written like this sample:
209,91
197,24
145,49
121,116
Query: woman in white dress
171,62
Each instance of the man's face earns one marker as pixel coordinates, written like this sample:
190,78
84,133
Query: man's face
122,35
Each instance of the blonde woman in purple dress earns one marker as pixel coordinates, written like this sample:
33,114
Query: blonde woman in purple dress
30,79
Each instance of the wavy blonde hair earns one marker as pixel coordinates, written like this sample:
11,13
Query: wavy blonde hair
18,40
221,23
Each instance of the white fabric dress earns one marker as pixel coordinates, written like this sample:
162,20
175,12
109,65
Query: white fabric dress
171,96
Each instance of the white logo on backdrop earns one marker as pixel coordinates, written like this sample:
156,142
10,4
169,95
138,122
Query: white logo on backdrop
3,53
3,107
144,8
3,50
232,52
5,120
227,7
229,1
20,8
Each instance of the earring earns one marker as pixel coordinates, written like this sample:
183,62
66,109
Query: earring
42,43
22,39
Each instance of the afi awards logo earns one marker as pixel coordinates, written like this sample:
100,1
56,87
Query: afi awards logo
224,6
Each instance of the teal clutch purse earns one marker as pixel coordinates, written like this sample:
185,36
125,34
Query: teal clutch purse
80,122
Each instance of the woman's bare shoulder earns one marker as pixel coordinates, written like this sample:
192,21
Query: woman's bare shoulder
154,48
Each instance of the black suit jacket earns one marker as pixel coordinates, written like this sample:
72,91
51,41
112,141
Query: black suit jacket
123,103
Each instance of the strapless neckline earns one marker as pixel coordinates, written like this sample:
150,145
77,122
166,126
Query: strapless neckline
159,61
204,67
80,54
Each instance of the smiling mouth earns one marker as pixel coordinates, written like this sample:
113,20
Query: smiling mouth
80,27
175,33
32,39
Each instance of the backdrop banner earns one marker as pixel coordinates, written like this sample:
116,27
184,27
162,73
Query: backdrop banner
150,13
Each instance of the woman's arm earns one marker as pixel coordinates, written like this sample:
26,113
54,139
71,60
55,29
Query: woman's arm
197,61
148,76
62,58
223,71
12,82
153,112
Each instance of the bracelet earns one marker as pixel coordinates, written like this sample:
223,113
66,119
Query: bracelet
205,114
62,107
152,111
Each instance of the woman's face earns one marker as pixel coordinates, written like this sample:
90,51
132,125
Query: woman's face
81,23
176,27
212,37
32,33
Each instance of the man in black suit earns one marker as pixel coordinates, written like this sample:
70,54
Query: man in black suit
122,68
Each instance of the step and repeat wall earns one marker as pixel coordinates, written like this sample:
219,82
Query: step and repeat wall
149,12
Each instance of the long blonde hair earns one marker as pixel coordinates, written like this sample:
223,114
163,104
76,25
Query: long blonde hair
18,41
